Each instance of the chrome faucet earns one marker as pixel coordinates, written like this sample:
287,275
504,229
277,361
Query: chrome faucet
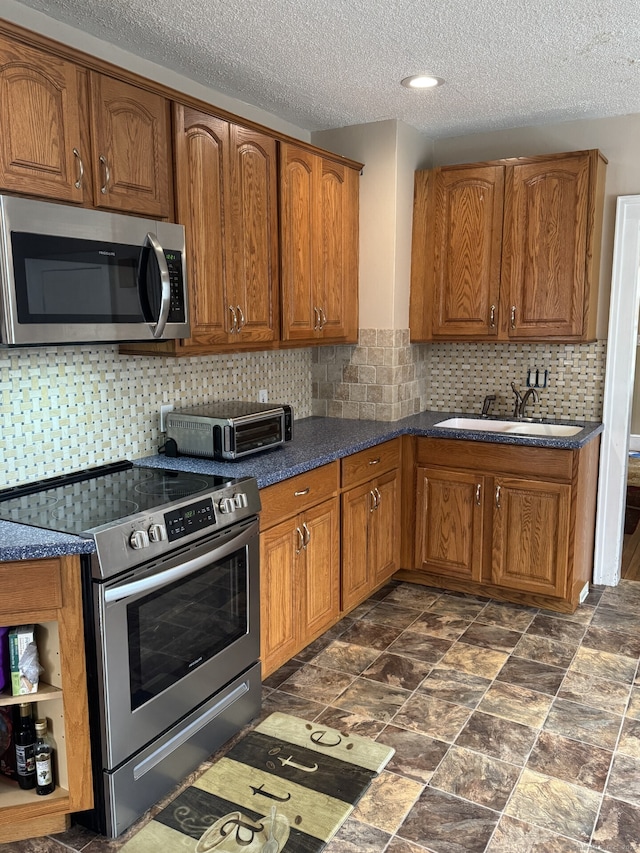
521,400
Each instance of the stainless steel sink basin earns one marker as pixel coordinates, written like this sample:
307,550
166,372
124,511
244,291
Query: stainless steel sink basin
510,427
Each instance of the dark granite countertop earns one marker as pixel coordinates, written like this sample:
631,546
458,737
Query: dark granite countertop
316,442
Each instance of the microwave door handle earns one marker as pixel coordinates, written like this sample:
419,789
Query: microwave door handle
165,299
183,570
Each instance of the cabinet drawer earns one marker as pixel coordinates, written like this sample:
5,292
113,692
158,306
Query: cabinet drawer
362,466
521,460
296,494
28,585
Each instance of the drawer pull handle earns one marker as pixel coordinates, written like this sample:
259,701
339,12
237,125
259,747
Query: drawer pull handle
301,492
497,497
375,461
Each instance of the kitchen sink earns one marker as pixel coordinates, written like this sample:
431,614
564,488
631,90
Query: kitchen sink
510,427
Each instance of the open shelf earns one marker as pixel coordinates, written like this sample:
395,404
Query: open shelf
45,691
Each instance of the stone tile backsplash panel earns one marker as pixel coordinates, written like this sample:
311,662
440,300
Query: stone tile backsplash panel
384,377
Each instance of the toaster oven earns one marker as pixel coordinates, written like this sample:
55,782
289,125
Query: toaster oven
227,430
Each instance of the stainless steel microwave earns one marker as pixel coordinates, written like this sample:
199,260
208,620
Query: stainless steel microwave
227,430
70,275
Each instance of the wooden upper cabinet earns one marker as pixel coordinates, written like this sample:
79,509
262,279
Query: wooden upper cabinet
226,185
319,246
508,250
545,247
40,139
253,235
130,147
463,241
81,137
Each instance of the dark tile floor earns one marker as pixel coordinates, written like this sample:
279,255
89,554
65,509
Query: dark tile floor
516,730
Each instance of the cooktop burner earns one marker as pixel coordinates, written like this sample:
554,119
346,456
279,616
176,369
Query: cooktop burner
79,503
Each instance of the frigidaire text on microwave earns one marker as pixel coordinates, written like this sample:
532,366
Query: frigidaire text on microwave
70,275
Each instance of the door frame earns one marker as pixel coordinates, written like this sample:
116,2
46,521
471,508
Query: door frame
618,391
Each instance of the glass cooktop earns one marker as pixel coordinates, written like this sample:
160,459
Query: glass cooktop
78,503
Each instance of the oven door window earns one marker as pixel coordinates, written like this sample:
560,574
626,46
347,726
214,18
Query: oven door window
177,628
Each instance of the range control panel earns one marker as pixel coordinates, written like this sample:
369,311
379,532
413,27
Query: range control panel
189,519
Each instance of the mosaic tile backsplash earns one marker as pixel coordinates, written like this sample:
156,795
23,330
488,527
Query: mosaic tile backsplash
63,409
384,377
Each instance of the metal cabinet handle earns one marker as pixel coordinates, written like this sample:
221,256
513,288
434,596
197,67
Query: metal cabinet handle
478,493
323,318
78,183
372,502
513,316
300,540
375,461
497,497
492,317
241,315
234,321
307,535
301,492
378,496
316,318
107,174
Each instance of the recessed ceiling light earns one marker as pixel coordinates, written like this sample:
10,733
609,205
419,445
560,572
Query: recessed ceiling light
422,81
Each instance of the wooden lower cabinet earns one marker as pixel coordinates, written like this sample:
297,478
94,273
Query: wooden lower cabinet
449,529
513,523
530,543
48,594
370,537
299,567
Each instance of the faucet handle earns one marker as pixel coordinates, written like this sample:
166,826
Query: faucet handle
486,406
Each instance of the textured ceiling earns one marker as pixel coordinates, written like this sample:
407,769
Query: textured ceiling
323,64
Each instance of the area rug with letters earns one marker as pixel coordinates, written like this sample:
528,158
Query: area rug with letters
288,785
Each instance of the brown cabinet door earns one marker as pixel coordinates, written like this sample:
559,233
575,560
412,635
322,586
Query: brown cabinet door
201,143
129,129
545,248
280,581
252,234
337,275
357,507
319,245
321,531
40,147
385,528
462,269
531,535
297,224
449,522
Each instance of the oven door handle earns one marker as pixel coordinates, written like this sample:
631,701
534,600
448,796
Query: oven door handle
165,283
154,582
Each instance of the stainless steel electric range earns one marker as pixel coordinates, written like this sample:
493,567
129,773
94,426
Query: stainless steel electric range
171,600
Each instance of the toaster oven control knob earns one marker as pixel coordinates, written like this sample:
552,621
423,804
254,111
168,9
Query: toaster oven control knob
139,539
226,505
240,500
157,533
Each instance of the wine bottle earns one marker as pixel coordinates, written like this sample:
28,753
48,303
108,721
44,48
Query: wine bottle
24,737
44,759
